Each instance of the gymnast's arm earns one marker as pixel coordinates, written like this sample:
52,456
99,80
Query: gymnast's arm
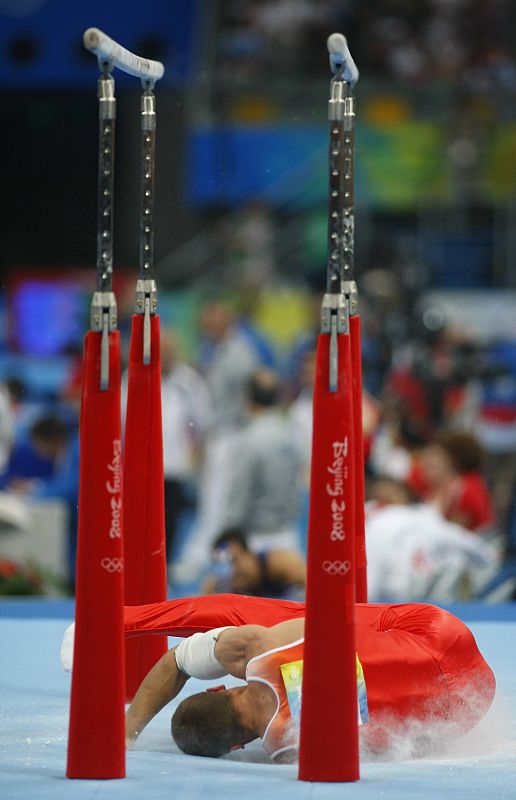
164,681
195,657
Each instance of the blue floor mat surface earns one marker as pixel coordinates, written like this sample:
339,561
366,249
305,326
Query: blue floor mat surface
34,698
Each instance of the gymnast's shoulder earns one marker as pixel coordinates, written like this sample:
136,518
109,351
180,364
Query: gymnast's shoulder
235,647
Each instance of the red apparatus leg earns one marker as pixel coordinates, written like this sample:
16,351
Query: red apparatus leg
96,742
358,450
329,713
144,511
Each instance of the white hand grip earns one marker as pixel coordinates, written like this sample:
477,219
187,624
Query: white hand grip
97,42
66,653
340,55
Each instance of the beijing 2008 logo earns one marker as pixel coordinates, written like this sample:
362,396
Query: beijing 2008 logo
336,567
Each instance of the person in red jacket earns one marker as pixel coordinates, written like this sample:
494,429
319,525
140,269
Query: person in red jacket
418,667
451,465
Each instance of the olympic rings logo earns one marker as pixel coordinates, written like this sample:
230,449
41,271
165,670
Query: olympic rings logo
336,567
112,564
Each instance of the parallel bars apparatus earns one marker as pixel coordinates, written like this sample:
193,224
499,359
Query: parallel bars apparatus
329,730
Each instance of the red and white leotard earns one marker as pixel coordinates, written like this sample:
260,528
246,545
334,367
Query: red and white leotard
280,734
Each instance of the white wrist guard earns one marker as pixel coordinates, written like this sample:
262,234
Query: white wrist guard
67,648
195,656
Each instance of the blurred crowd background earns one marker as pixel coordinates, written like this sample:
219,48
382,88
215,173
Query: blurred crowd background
240,246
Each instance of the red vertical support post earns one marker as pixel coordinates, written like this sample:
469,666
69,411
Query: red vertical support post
144,504
329,712
96,742
359,469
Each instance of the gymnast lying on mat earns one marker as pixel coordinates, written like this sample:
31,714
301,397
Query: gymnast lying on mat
424,675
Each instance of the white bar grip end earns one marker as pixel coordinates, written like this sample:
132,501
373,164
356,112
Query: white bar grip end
341,57
107,49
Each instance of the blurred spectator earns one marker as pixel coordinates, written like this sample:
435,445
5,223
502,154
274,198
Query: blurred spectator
371,415
242,48
414,554
299,364
34,457
53,440
284,20
71,390
450,40
186,414
6,425
186,409
26,407
265,573
264,470
396,446
250,246
384,491
406,58
428,381
227,359
451,465
14,515
248,298
300,410
495,425
511,525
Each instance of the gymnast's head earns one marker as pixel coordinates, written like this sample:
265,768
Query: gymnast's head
210,724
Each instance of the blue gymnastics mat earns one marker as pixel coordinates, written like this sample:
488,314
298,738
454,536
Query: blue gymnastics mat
34,697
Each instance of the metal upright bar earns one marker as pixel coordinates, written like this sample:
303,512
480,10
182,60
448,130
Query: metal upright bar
340,299
146,289
103,306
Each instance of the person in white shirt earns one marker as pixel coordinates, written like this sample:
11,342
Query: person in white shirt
415,555
186,411
265,470
228,359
